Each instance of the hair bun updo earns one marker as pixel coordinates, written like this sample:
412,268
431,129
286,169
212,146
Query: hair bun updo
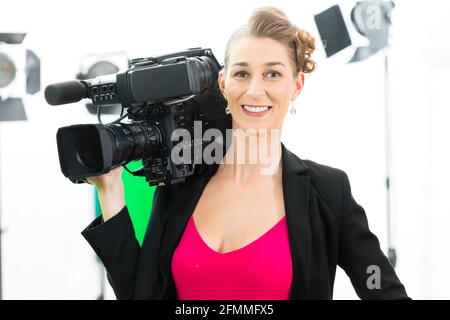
271,22
308,45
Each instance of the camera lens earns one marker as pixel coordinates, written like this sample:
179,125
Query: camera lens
89,149
131,141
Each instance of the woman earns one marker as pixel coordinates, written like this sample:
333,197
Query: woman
246,230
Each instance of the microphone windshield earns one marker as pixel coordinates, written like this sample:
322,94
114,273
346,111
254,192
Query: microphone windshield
65,92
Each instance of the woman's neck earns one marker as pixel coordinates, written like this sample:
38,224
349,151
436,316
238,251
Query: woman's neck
252,156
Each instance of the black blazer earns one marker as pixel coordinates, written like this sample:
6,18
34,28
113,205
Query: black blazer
326,228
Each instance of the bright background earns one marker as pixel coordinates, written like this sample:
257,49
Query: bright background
339,122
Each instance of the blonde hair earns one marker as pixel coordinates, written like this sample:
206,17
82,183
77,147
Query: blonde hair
271,22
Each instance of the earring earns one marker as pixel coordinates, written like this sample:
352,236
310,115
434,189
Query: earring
227,108
293,111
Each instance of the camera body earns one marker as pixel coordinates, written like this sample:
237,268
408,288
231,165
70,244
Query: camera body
161,95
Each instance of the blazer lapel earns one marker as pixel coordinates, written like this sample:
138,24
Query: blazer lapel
296,189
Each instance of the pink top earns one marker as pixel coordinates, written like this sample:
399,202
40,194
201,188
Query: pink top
261,270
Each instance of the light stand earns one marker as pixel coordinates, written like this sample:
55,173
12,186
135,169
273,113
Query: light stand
392,254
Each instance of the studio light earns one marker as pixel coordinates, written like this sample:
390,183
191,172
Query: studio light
19,76
95,65
7,70
371,19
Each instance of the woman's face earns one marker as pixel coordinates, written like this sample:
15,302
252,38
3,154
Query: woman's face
259,83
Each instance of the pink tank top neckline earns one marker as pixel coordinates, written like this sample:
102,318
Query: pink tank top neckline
260,270
245,247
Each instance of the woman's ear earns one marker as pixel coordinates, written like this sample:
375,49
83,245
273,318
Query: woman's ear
299,82
221,81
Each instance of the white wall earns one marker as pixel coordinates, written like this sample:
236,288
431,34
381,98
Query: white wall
339,122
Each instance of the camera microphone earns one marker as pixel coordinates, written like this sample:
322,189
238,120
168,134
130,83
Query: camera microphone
65,92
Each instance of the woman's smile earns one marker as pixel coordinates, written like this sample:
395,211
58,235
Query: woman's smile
256,111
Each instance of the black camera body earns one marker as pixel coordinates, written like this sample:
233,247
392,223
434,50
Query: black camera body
161,95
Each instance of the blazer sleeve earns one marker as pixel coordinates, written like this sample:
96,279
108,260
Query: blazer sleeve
115,244
360,255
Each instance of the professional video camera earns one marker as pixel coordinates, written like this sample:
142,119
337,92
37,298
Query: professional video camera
161,94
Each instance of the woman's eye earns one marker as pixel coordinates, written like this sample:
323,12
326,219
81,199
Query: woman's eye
273,74
240,74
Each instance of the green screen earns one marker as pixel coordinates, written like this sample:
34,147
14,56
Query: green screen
138,197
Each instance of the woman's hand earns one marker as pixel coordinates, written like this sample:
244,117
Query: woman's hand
111,193
109,180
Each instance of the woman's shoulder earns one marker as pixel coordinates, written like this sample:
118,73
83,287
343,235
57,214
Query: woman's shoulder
318,172
327,180
323,171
